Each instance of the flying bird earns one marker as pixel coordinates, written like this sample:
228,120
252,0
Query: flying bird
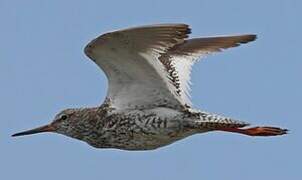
148,103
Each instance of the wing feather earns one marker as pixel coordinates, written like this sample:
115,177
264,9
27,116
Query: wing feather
129,58
150,66
211,44
183,56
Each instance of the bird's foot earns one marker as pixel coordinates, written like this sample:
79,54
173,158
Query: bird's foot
257,131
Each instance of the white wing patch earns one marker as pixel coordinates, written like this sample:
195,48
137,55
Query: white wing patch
183,56
183,67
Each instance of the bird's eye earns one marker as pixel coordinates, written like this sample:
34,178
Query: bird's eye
64,117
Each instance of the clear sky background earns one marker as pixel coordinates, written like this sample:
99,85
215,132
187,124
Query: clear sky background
43,70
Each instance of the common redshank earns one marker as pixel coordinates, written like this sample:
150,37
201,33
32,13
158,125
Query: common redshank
148,104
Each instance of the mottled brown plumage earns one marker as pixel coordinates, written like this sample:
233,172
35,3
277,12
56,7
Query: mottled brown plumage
148,104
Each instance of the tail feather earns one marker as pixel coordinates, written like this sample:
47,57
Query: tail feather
214,121
207,121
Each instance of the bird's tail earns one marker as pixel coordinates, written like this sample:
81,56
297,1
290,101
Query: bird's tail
214,121
204,120
220,123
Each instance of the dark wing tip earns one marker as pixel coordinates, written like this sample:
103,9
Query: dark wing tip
183,30
189,30
248,38
234,41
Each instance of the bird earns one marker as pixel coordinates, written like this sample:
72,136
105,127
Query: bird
148,103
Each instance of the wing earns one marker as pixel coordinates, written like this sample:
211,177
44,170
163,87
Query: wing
183,56
150,66
130,60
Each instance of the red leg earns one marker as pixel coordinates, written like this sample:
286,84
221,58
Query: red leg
257,131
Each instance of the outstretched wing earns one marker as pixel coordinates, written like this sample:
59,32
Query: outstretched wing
184,55
149,66
129,58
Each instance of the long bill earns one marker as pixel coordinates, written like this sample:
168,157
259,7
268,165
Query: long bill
45,128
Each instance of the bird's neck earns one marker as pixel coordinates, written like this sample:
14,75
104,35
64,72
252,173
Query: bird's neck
89,121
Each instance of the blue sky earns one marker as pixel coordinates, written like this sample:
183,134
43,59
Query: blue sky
43,70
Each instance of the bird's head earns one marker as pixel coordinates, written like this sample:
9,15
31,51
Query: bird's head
69,122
